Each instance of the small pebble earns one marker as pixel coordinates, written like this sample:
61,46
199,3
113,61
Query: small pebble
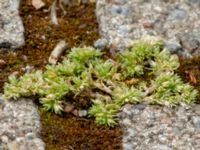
4,139
75,112
68,108
82,113
101,44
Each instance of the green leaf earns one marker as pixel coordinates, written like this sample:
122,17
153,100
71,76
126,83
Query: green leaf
83,55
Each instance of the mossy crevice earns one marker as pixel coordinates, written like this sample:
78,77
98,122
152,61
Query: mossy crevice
84,69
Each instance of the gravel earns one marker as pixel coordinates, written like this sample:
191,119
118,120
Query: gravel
160,128
11,26
19,125
175,21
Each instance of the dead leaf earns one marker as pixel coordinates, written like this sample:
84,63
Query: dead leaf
92,1
38,4
192,78
2,63
116,76
132,81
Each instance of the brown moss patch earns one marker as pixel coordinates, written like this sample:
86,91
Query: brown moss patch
69,132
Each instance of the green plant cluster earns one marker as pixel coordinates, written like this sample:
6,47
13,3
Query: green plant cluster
110,82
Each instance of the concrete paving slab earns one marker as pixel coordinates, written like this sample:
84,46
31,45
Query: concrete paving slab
11,26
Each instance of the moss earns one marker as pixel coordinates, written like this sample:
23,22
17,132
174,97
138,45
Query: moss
84,69
68,132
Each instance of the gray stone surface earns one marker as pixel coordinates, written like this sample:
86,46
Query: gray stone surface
160,128
11,26
19,125
101,44
176,22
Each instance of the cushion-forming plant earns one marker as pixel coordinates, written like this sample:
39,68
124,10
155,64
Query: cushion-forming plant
143,73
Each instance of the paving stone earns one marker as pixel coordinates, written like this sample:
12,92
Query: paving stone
122,22
11,26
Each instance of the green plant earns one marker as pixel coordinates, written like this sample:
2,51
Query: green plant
85,70
104,69
164,62
104,110
124,94
133,61
170,90
83,55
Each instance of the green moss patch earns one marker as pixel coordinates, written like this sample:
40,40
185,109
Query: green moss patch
84,69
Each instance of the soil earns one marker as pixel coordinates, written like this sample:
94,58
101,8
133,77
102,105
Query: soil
78,27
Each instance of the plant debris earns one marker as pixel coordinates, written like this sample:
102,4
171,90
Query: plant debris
57,52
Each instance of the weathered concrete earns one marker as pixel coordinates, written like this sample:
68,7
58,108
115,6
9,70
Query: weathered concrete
11,26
